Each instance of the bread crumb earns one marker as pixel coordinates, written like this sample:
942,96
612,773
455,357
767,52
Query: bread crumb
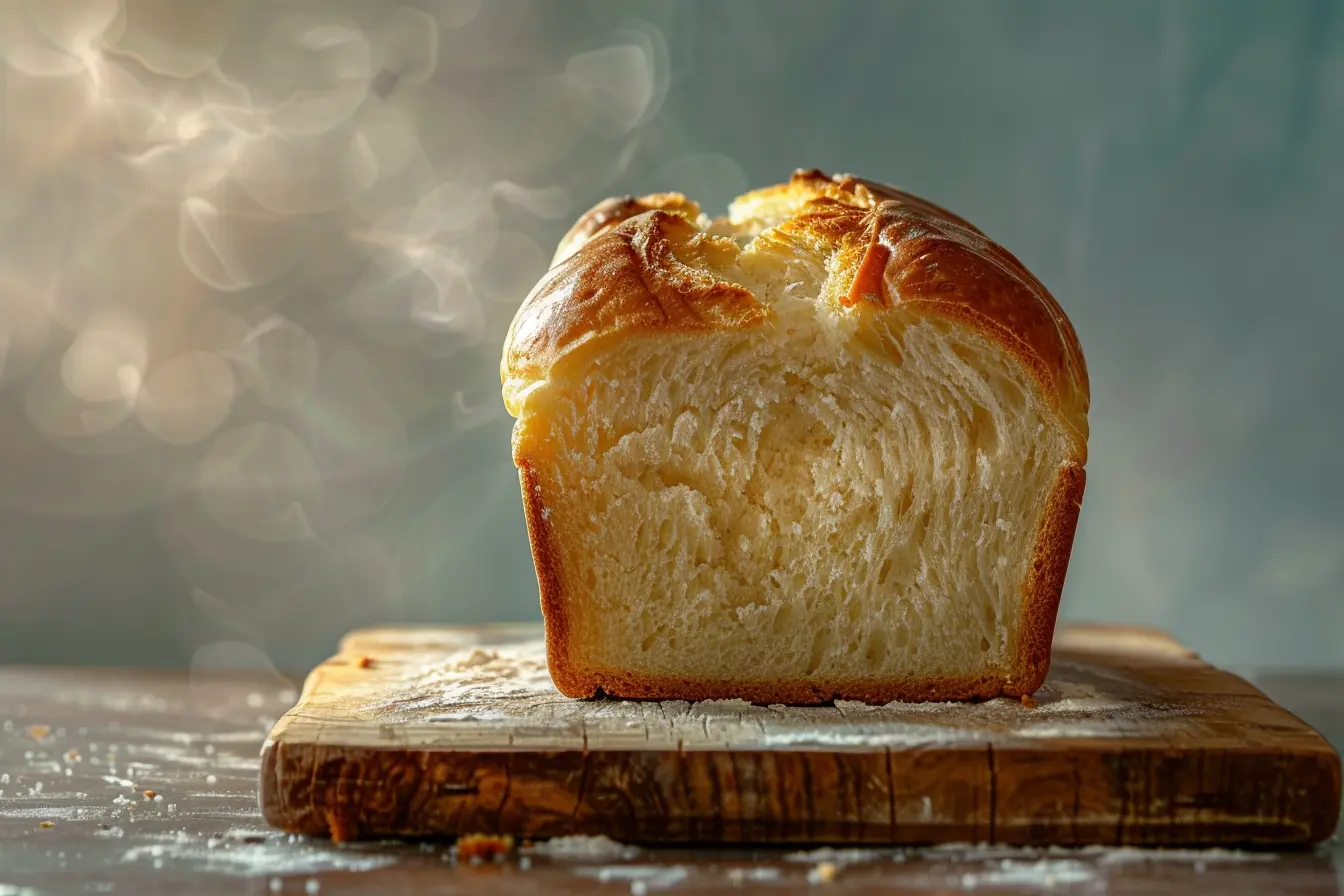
823,873
150,794
48,824
477,847
38,732
364,662
1029,701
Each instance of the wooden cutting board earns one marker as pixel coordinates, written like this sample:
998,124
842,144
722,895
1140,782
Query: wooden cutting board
1134,740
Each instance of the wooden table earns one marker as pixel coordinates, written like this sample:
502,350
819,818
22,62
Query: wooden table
143,783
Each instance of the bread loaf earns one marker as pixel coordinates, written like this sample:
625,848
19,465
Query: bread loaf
830,446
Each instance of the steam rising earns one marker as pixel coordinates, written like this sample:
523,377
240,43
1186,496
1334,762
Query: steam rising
248,246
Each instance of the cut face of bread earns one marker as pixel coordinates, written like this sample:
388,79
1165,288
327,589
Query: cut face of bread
759,461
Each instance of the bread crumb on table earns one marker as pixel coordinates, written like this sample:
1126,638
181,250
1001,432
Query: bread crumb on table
48,824
364,662
1029,701
38,732
823,873
478,847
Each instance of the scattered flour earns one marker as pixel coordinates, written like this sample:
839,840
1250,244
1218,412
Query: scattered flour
46,812
739,876
642,878
1132,854
898,734
580,846
510,682
838,857
1099,855
734,705
1045,873
248,852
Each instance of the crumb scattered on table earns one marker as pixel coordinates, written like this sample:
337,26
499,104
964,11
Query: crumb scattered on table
38,732
478,847
48,824
364,662
149,794
823,873
1029,701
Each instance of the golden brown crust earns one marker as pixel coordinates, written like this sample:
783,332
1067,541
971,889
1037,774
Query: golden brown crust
546,558
626,280
809,184
610,213
630,266
590,683
624,271
1045,581
905,251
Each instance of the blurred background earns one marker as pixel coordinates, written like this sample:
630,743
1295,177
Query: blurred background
257,258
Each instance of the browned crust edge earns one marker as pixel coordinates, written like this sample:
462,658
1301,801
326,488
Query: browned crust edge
1045,581
547,559
1036,627
612,212
622,275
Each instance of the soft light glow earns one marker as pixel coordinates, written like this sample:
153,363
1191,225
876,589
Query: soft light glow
251,247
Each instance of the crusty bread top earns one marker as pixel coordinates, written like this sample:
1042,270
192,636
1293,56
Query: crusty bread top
648,265
610,212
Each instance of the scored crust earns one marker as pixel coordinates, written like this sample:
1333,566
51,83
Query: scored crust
622,269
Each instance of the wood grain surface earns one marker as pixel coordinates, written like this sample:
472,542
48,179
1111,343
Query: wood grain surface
1133,740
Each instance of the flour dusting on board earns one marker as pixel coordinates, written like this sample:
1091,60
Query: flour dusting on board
509,683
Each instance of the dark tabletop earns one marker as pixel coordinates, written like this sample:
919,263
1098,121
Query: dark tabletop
125,782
